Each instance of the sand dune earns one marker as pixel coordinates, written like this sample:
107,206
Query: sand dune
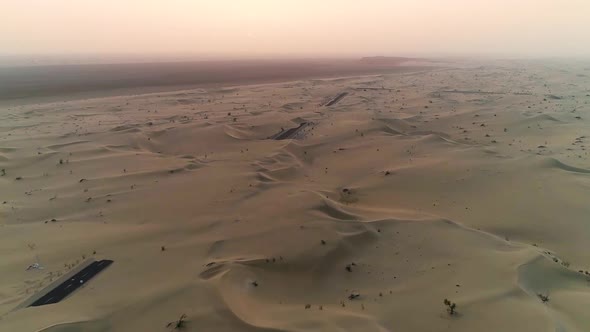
468,182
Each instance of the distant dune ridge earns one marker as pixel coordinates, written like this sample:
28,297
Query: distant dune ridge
20,85
325,198
386,60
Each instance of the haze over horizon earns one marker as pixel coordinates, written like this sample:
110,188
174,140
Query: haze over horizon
288,28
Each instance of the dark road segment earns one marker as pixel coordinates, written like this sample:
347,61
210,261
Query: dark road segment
69,286
290,133
337,99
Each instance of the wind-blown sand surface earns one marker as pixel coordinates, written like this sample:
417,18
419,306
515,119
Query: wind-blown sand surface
470,183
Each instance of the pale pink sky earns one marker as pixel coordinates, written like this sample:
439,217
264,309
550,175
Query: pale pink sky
296,27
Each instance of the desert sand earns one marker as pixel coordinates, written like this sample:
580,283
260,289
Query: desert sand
465,181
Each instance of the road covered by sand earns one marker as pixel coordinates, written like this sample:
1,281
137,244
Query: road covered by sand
468,182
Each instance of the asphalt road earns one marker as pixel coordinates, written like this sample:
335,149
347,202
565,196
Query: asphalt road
337,99
69,286
290,133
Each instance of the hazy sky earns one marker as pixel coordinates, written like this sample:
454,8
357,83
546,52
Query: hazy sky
296,27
